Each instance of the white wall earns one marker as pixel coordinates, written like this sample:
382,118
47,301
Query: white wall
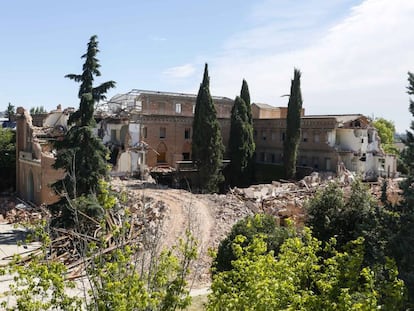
56,118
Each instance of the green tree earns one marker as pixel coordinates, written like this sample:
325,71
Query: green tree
293,125
123,272
386,132
245,95
37,110
250,227
241,142
40,285
81,154
10,112
7,159
331,213
403,243
207,145
299,278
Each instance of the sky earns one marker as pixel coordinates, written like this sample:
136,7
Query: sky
354,55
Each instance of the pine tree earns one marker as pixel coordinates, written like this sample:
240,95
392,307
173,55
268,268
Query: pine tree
207,146
291,142
241,143
81,154
88,94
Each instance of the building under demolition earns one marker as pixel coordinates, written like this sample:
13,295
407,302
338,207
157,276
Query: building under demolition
150,129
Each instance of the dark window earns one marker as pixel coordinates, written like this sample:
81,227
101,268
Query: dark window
144,132
305,137
186,156
283,136
113,136
163,131
187,133
264,135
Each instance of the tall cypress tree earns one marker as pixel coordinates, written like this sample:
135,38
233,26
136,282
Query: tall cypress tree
241,143
207,146
81,154
291,142
245,95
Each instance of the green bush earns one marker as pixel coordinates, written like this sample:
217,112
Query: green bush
251,226
300,278
7,159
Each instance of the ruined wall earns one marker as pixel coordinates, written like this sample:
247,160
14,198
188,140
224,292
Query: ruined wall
29,184
34,162
49,176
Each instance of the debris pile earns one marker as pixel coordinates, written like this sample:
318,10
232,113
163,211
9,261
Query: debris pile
13,211
394,193
281,199
157,215
142,227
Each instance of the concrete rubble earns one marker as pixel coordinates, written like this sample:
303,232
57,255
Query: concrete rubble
13,211
151,206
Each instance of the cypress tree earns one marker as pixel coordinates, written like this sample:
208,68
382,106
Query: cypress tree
241,143
207,146
81,154
291,142
245,95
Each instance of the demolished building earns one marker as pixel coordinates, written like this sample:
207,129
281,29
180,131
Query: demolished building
151,129
35,155
335,143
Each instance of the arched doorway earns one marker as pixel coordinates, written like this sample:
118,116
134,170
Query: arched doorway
187,151
162,153
30,187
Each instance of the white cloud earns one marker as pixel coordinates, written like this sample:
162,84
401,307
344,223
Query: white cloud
180,72
357,64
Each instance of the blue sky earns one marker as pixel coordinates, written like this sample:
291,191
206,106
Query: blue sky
354,55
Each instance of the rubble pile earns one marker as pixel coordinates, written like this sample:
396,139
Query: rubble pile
67,245
143,230
281,199
394,193
158,214
13,211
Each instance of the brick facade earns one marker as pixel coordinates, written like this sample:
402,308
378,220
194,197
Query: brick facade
155,128
166,122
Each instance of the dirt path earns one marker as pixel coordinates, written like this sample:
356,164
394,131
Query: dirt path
187,211
208,216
